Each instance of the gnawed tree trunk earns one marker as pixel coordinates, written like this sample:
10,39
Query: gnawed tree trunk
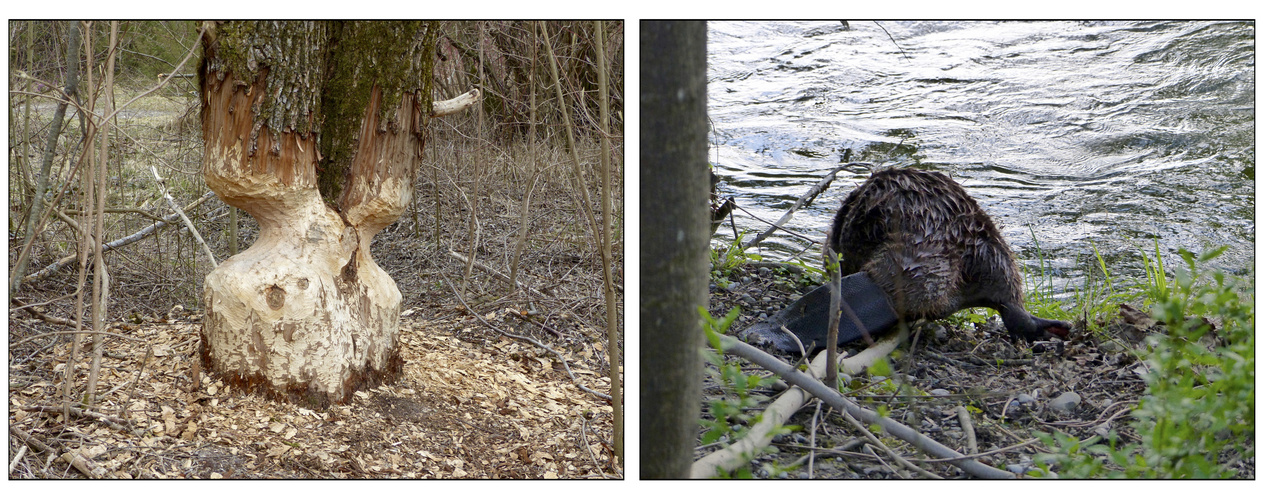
315,129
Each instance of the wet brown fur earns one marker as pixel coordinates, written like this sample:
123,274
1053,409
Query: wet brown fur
925,241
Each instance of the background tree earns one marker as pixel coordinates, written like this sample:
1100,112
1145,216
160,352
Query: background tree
674,223
315,129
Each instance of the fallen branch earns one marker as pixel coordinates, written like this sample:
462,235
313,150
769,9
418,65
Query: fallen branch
116,423
495,274
777,413
775,225
56,320
85,465
833,398
166,195
121,242
967,427
76,332
803,201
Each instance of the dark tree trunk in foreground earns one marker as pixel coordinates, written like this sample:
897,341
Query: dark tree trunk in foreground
315,129
674,222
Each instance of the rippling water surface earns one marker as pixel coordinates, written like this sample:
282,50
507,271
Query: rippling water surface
1111,134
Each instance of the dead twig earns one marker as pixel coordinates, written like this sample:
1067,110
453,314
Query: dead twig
885,449
116,244
495,274
73,332
803,201
967,427
39,315
116,423
780,410
833,398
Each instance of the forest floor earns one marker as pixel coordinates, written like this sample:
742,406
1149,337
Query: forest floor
472,402
468,405
1083,387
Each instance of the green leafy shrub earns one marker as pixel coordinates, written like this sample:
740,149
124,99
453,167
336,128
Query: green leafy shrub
730,409
724,262
1197,417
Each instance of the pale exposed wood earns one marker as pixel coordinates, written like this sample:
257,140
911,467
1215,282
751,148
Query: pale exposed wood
304,309
833,398
455,104
781,409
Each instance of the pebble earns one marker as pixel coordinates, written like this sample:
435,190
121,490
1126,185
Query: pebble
939,392
1065,402
941,333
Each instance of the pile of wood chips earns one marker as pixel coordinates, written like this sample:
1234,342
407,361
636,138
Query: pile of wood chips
495,408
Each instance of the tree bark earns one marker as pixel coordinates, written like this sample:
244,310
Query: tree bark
674,220
313,128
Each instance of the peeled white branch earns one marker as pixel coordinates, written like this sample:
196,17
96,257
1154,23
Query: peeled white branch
833,398
455,104
741,452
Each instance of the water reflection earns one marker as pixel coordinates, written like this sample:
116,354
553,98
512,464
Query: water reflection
1107,133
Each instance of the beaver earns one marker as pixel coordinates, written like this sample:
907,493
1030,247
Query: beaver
912,244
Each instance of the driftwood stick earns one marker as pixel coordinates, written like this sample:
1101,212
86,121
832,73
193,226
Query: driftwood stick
967,427
833,398
760,434
803,201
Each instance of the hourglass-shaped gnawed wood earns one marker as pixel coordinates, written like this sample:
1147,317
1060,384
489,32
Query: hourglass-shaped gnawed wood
314,129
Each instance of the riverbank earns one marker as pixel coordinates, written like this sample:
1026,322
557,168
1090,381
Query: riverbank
964,383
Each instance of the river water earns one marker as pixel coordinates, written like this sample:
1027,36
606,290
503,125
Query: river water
1101,133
